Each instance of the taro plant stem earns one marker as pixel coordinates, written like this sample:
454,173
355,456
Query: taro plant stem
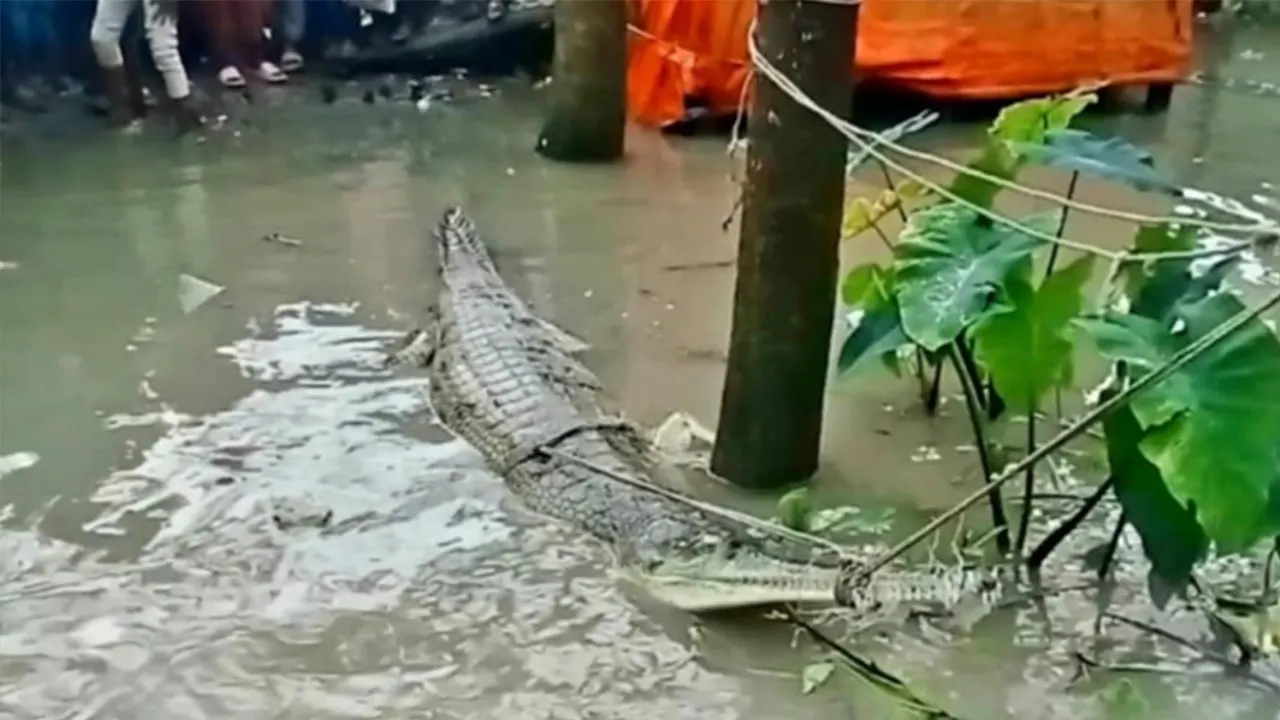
1267,573
1053,260
933,395
973,404
1028,483
1109,557
1055,537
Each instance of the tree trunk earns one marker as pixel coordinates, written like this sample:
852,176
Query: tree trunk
587,112
771,410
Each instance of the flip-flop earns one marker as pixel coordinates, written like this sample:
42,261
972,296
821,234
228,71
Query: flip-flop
230,77
271,73
291,61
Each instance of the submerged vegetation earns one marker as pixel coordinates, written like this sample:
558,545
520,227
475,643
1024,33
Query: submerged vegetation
1007,308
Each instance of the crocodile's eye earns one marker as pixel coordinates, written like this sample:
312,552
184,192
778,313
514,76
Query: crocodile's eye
279,521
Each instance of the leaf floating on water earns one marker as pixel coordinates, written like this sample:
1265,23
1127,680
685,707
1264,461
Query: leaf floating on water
194,292
815,675
795,510
1121,700
1107,158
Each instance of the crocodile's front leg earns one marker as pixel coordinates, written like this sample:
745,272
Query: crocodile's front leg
418,347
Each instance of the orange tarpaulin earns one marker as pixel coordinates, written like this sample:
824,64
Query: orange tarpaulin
944,48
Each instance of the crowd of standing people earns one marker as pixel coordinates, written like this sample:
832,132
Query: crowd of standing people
48,45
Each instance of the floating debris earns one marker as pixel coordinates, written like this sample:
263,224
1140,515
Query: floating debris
281,240
194,292
925,453
8,265
13,462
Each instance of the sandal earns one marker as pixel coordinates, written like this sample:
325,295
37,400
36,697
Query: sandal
291,61
271,73
230,77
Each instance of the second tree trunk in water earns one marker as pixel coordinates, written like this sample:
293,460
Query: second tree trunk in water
587,108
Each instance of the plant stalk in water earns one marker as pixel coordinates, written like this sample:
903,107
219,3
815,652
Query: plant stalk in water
1109,557
871,672
1067,526
1028,484
1178,361
973,404
1053,260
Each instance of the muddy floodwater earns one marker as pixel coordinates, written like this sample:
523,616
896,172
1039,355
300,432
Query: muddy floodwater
169,379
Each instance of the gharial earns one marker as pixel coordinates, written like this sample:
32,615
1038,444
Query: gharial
509,383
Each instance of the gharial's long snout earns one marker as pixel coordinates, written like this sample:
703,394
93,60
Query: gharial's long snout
458,240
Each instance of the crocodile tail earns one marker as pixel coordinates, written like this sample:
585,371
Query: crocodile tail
458,240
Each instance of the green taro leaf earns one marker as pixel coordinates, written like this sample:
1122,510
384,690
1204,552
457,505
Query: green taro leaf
995,160
865,283
1031,121
1026,349
951,266
1172,539
1019,124
879,331
1107,158
1158,289
1212,427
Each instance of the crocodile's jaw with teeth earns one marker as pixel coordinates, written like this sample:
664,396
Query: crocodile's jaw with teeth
747,579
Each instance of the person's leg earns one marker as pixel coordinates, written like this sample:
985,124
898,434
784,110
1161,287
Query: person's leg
44,38
252,16
23,54
292,17
416,15
334,22
220,21
108,23
73,21
162,37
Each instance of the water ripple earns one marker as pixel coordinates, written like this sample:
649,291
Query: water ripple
427,596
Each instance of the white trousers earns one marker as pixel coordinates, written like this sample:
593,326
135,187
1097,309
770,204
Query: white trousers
162,36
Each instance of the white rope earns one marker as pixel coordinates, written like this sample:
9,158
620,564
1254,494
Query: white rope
856,135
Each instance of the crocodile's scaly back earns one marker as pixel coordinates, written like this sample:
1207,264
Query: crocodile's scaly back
509,383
